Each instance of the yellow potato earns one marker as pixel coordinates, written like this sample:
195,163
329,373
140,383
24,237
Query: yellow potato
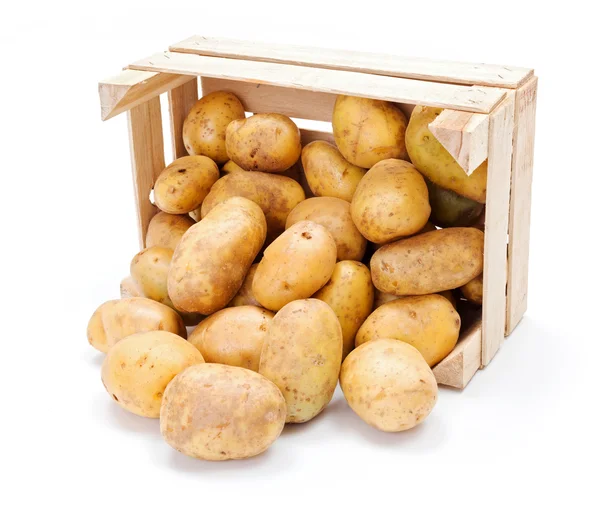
138,368
149,269
245,296
219,412
301,355
473,290
295,172
381,298
389,385
167,229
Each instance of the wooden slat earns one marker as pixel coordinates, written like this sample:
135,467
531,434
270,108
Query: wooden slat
448,96
308,136
181,100
520,203
391,65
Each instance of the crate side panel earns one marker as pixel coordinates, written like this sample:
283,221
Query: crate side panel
181,100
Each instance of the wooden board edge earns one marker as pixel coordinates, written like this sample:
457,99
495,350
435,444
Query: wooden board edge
181,100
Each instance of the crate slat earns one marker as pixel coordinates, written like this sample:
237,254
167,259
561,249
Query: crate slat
181,100
308,136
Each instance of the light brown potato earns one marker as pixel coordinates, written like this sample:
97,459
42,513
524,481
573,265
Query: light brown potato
116,319
220,412
213,257
295,266
381,298
429,263
166,229
205,125
182,186
295,172
150,269
473,290
264,142
245,296
368,131
389,385
390,202
429,323
301,355
233,336
334,215
138,368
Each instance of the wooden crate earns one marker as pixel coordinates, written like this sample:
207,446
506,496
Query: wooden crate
489,113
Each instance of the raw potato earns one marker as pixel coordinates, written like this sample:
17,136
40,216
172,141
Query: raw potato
381,298
334,215
296,265
449,209
138,368
213,257
182,186
116,319
429,323
473,290
264,142
349,293
328,173
205,125
434,161
368,131
233,336
429,263
295,172
166,229
389,385
150,269
219,412
245,296
391,201
302,354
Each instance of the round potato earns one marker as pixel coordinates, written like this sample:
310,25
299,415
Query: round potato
389,385
150,269
205,125
220,412
473,290
301,355
449,209
381,298
245,296
368,131
167,229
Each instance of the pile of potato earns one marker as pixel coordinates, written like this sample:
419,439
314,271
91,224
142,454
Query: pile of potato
308,265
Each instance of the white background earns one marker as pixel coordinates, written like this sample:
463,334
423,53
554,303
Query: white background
524,434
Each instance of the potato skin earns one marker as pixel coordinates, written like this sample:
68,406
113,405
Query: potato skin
301,355
449,209
429,323
334,215
391,201
294,266
150,269
220,412
245,296
389,385
368,131
166,229
138,368
473,290
264,142
381,298
205,125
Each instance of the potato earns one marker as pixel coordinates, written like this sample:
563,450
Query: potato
219,412
391,201
213,257
116,319
264,142
138,368
149,269
295,266
245,296
429,263
449,209
381,298
233,336
473,290
389,385
434,161
328,173
295,172
334,215
429,323
368,131
167,229
301,355
182,186
205,125
349,293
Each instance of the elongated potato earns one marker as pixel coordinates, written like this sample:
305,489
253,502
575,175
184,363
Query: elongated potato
166,229
301,355
245,296
473,290
213,257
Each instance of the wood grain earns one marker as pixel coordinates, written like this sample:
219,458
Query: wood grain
181,100
308,136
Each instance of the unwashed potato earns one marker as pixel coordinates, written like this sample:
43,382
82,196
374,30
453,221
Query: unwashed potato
429,323
381,298
449,209
181,186
233,336
434,161
245,296
389,385
205,125
220,412
473,290
334,215
296,265
391,201
138,368
116,319
213,257
264,142
167,229
368,131
301,355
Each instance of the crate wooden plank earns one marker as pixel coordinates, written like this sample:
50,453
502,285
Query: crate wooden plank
308,136
448,96
396,66
181,100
